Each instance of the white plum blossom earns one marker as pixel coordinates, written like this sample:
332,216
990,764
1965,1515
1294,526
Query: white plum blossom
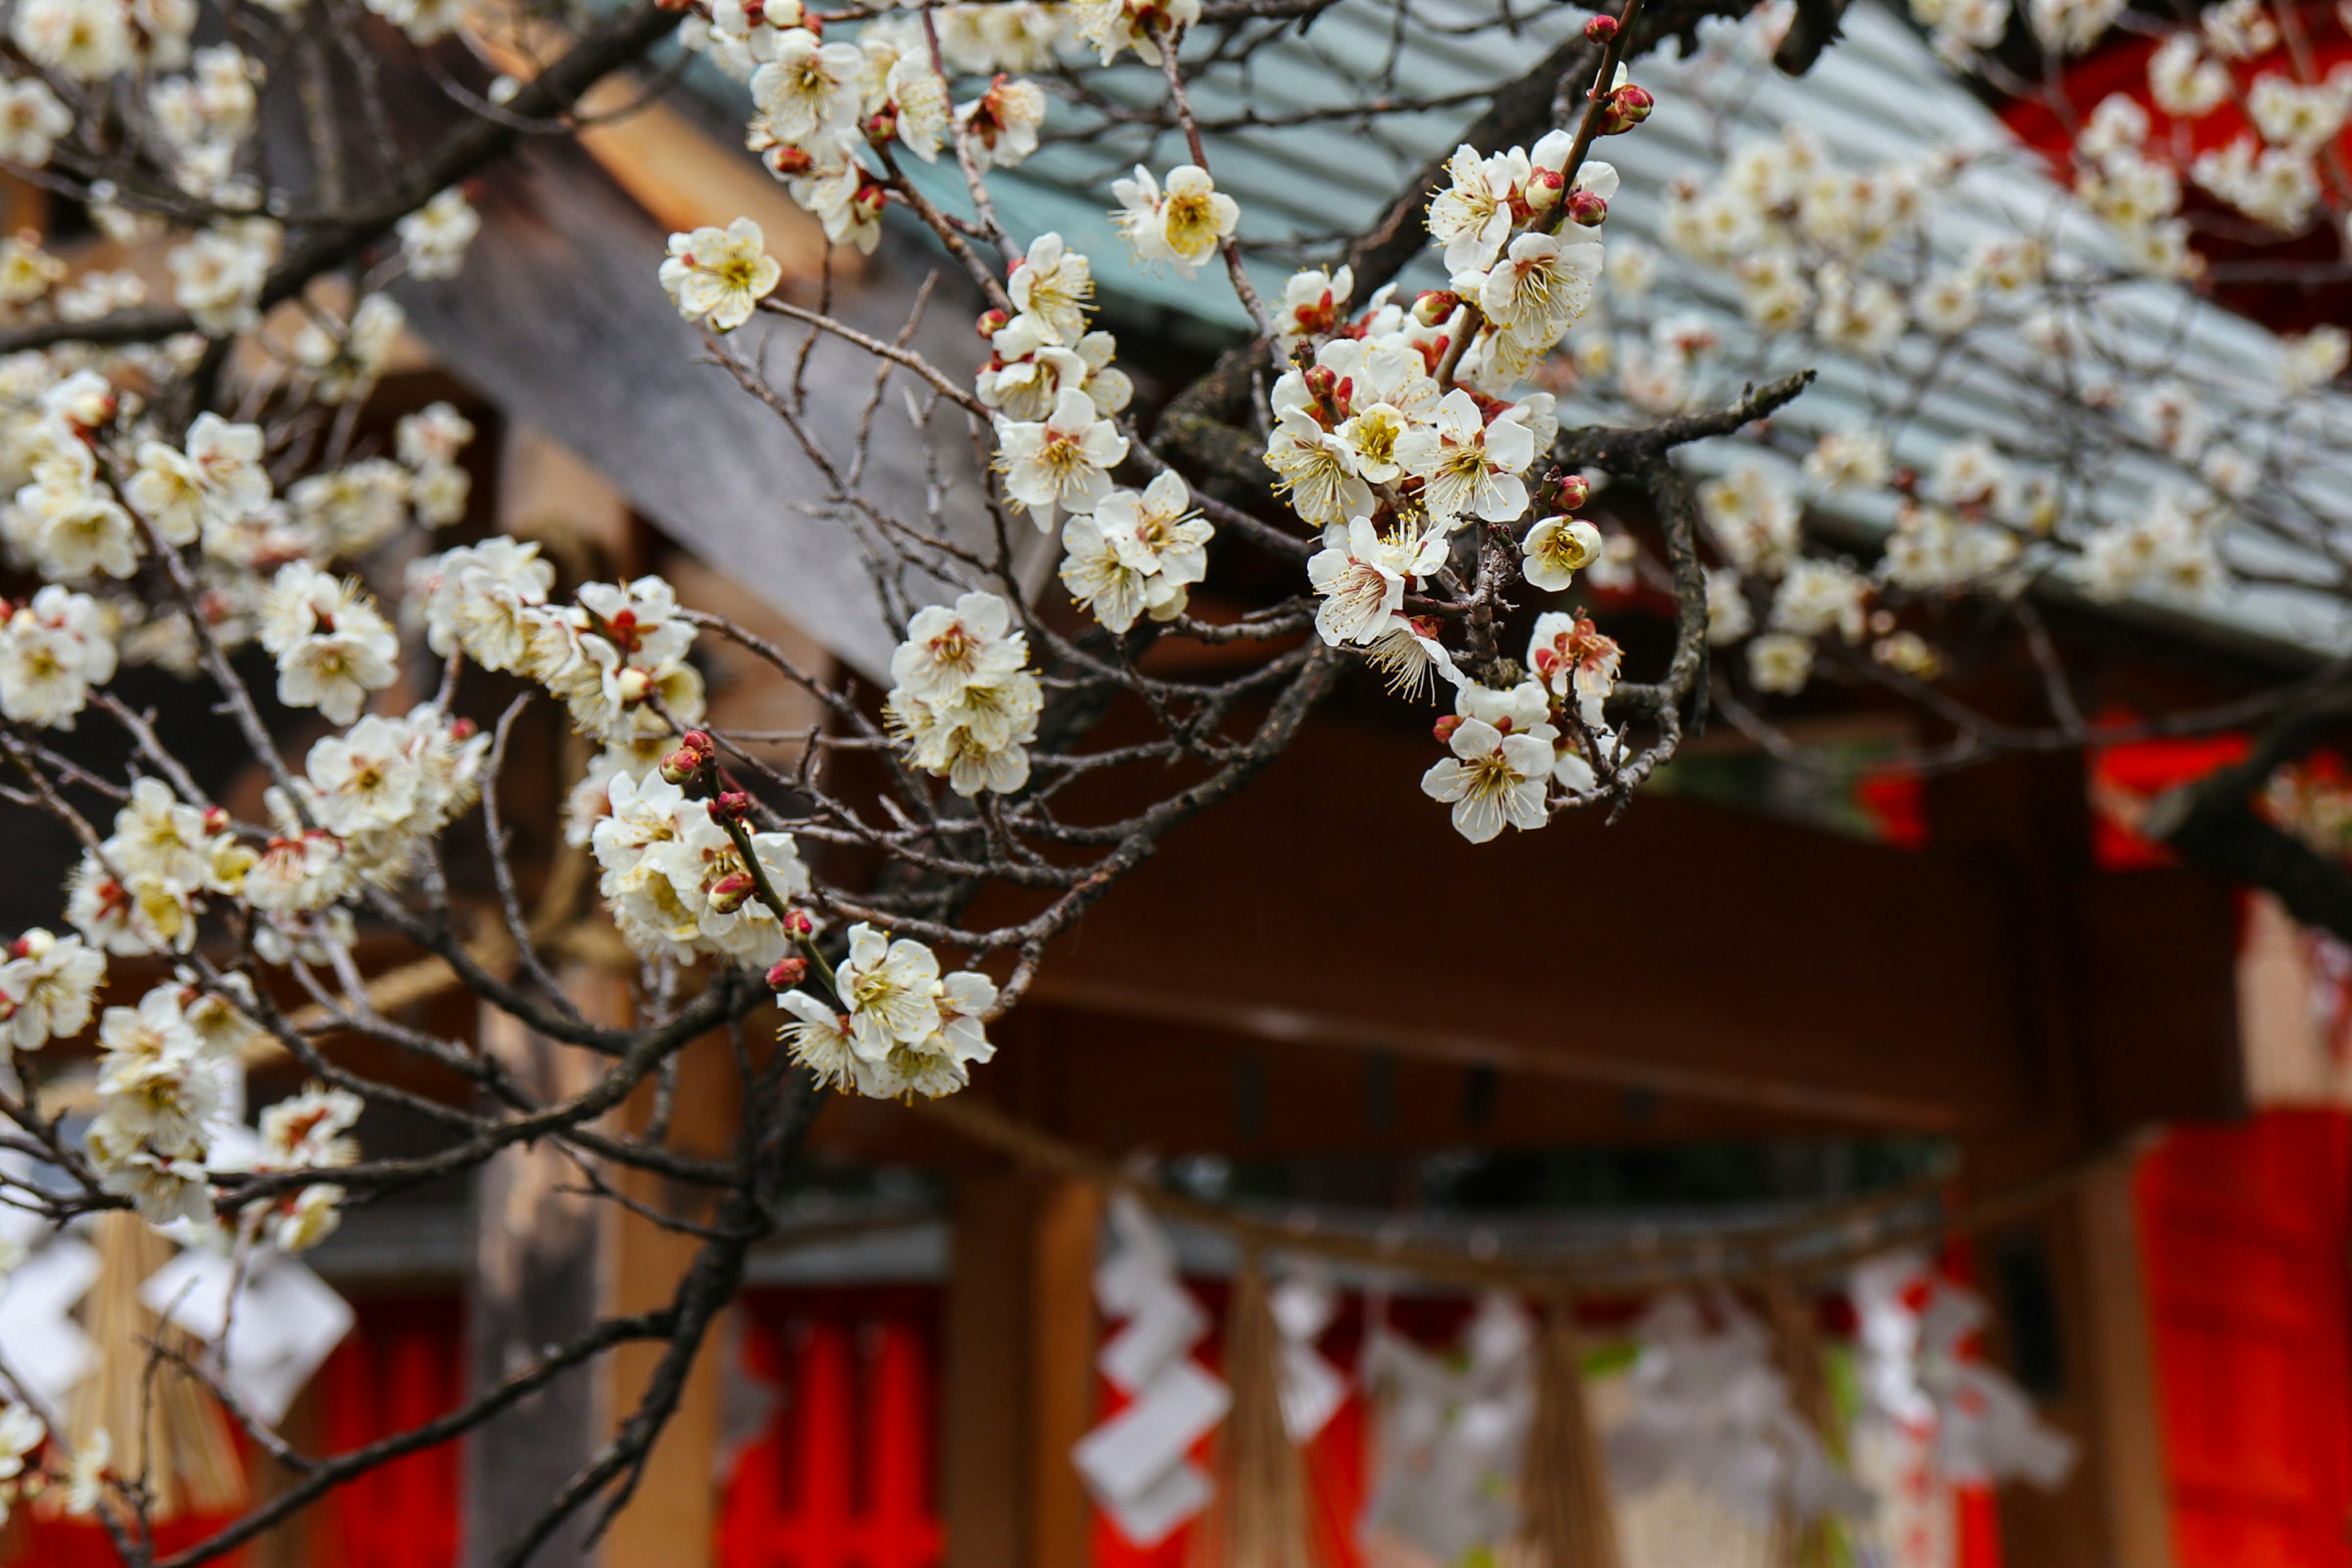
1360,575
1555,548
49,984
54,650
333,650
964,703
1501,765
719,276
434,238
1056,285
1061,463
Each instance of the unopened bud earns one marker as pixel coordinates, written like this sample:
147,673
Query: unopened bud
787,162
1544,188
1435,306
216,820
1601,29
1628,107
1322,382
882,125
991,321
1587,209
787,973
730,805
869,202
728,893
681,766
798,926
34,944
464,730
1443,729
636,685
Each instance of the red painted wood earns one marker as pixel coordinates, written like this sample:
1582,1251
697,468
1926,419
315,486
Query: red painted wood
2244,1230
841,1474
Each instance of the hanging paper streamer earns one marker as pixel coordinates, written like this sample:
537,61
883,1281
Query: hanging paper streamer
284,1323
1138,1464
1916,1329
1564,1491
1451,1439
1312,1388
1708,1407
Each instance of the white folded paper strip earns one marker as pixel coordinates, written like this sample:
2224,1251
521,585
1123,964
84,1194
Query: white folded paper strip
285,1322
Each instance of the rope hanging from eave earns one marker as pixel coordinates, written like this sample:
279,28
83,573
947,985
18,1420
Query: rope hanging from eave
1824,1240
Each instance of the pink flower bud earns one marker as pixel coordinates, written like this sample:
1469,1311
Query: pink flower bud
1443,729
991,321
730,805
681,766
787,162
729,892
1322,382
1628,107
881,125
1435,306
1544,188
1601,29
798,926
464,730
787,973
869,202
1587,209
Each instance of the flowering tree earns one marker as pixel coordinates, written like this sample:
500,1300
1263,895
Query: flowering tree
192,491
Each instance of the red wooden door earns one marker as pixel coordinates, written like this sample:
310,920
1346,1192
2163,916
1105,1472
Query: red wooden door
2245,1234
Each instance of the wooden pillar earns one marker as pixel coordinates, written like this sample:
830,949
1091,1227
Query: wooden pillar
538,1277
1018,1383
672,1519
2122,1352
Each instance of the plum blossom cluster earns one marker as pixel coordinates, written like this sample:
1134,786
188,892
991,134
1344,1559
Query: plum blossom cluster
1053,386
964,704
677,882
617,656
170,1087
1507,747
897,1026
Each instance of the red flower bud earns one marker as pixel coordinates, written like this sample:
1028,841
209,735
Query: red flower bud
991,321
1322,382
1435,306
787,162
787,973
729,892
1628,107
881,125
870,201
1587,209
1544,187
464,730
1575,489
730,805
798,926
1443,729
681,766
1601,29
216,820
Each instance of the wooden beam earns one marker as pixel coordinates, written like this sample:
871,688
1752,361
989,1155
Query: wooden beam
2122,1351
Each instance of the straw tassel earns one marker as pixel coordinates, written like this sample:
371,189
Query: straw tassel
165,1427
1259,1517
1797,1353
1566,1510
